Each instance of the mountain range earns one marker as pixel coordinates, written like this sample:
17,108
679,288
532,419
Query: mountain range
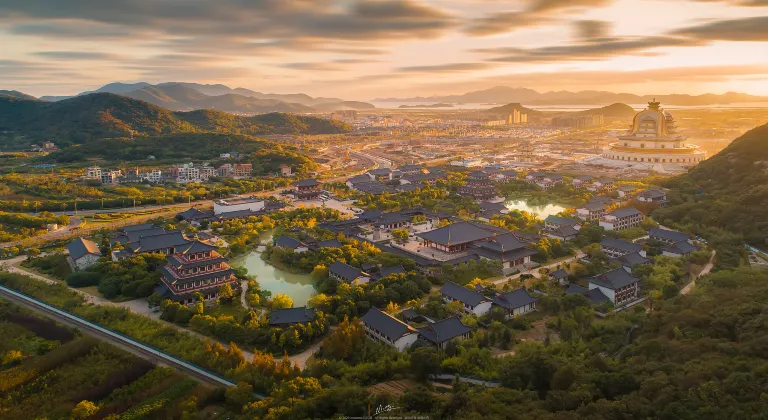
179,96
505,94
97,116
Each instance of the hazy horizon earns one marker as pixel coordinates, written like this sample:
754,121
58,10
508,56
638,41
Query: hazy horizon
368,49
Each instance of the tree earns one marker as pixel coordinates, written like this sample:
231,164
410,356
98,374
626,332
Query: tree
84,409
392,308
282,301
425,362
455,307
238,396
400,235
226,293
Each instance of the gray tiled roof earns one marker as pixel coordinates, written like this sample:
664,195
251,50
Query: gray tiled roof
306,183
594,296
626,211
345,271
559,274
653,193
564,231
380,171
142,226
286,241
593,206
505,242
514,299
388,271
444,330
631,259
331,243
614,279
457,233
671,235
195,247
291,316
387,325
159,242
681,248
81,247
565,221
462,294
609,242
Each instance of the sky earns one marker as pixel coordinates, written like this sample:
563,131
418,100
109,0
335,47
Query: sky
366,49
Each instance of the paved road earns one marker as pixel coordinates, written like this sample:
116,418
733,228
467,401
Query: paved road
535,271
707,268
119,340
139,306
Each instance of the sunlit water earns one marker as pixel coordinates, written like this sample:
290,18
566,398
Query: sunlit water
298,286
540,211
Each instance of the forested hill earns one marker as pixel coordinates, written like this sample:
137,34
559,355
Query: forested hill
105,115
729,191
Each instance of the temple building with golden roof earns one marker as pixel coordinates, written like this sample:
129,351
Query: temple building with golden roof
653,140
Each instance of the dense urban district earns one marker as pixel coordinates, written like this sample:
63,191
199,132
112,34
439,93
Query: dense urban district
425,263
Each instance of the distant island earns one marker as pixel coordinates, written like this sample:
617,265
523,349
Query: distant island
438,105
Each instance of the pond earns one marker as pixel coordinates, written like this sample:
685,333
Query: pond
298,286
541,211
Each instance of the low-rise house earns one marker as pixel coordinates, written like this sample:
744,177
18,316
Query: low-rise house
562,228
420,179
628,261
195,215
582,181
440,333
554,222
601,184
594,296
388,271
560,276
667,236
330,243
83,253
478,186
679,249
291,316
411,169
458,237
564,233
515,303
506,249
381,174
590,211
507,175
601,199
472,301
287,242
621,219
625,191
194,268
618,285
345,272
615,248
307,189
382,327
549,181
653,196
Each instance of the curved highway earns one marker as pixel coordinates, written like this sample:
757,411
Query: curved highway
142,350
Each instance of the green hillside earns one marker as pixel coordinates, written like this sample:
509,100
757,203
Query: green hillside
617,110
728,192
104,115
508,108
17,94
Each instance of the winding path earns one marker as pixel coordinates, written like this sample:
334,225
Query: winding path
707,268
140,307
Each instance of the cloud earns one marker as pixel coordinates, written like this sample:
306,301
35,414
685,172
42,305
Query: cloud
536,13
76,55
237,21
591,29
596,49
748,29
445,68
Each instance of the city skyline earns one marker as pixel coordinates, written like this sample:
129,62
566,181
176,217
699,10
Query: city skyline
366,49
